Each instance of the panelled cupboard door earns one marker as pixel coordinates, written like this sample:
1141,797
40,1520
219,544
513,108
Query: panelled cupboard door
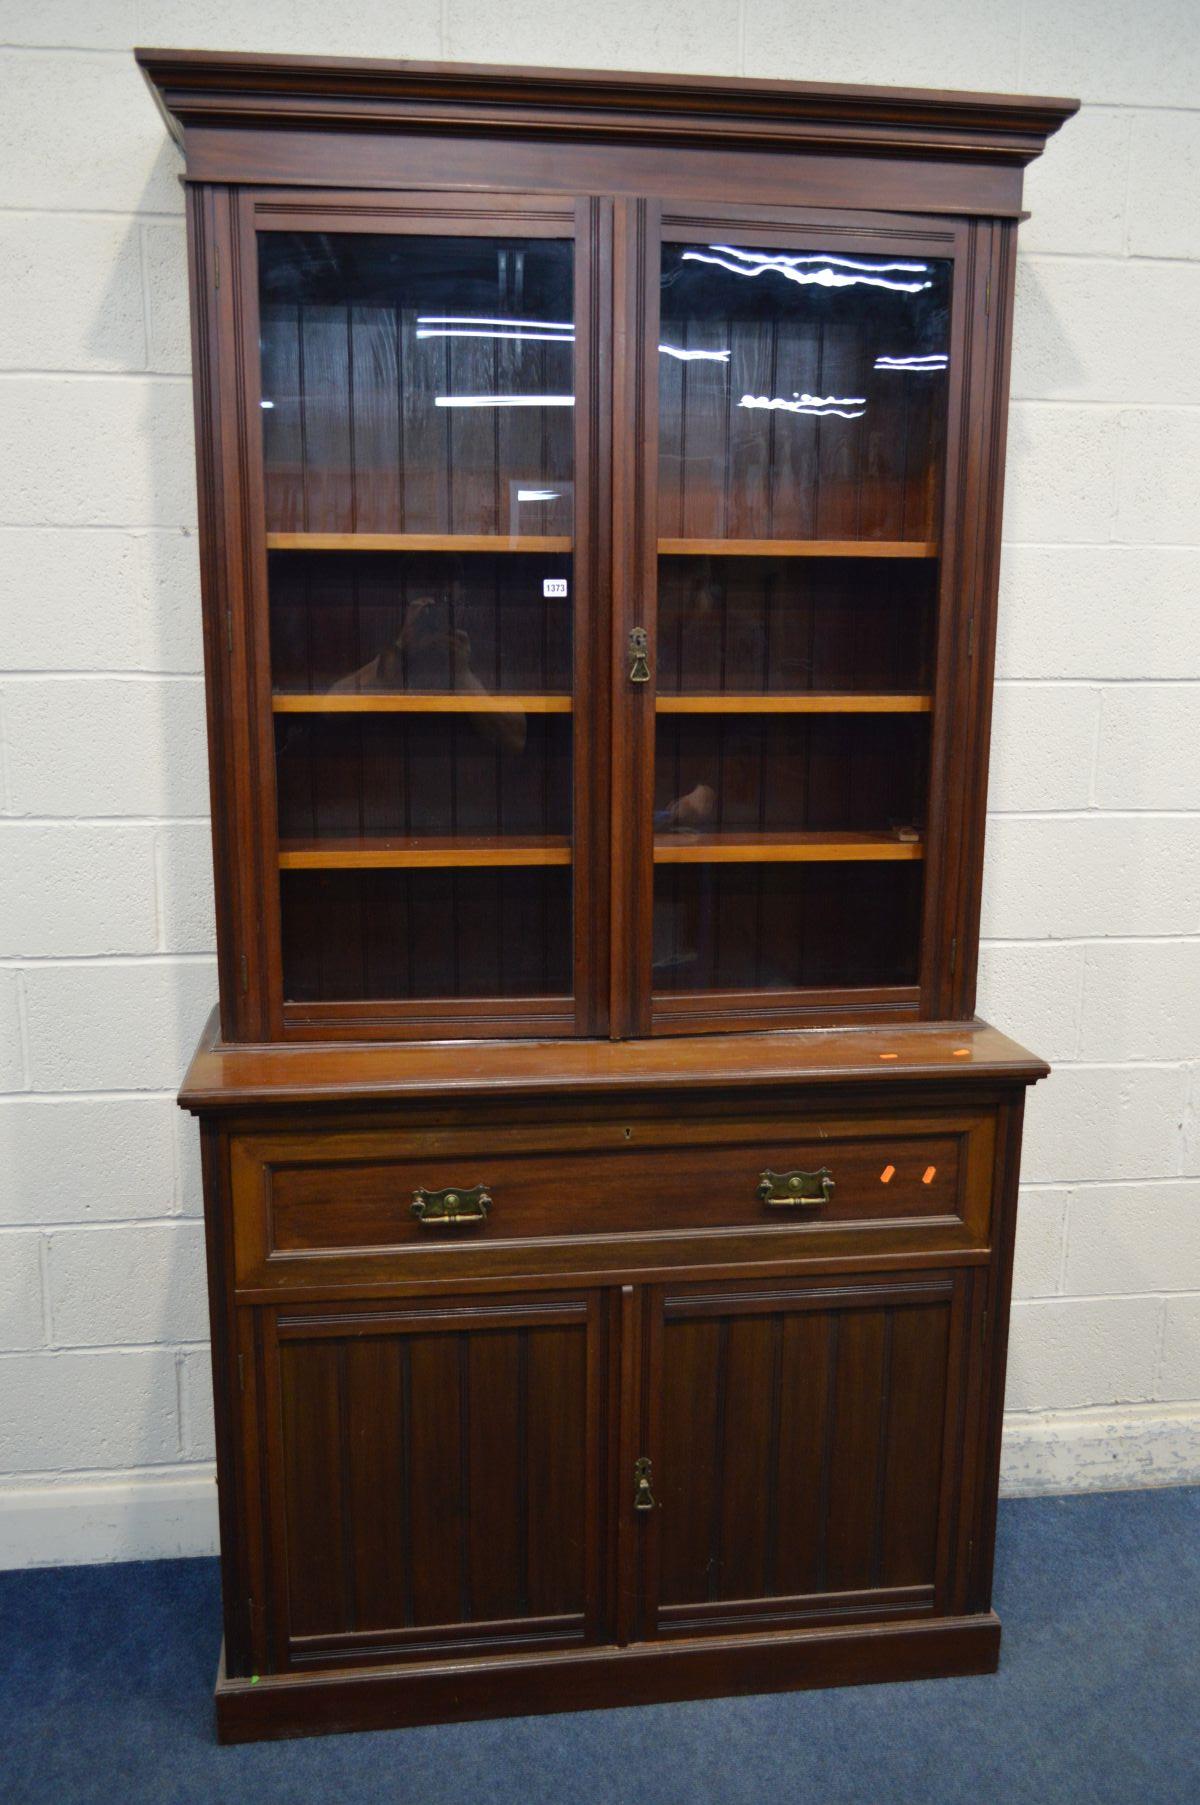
434,1477
802,1440
423,378
803,374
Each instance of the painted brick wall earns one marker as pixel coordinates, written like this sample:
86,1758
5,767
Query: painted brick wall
1092,912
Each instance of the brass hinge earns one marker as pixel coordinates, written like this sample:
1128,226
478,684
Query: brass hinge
987,296
953,954
241,1372
983,1325
245,973
970,636
229,631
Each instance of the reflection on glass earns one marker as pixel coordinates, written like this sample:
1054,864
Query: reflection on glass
821,407
408,935
785,927
419,622
802,399
428,776
416,384
790,405
746,773
418,442
783,626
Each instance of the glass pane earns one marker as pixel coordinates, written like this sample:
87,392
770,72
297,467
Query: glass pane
775,626
417,385
801,394
785,927
418,437
414,934
743,773
419,621
434,776
802,404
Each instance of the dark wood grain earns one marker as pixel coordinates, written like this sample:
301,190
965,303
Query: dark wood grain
432,1473
280,1706
213,87
336,1208
225,1076
789,1490
467,934
814,1464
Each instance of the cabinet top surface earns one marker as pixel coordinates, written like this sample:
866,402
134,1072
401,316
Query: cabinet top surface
204,86
222,1076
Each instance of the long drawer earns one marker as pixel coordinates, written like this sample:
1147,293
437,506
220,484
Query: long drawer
363,1206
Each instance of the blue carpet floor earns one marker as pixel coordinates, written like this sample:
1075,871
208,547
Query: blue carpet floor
105,1678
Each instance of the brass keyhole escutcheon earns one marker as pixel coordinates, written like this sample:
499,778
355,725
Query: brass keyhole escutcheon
639,647
643,1496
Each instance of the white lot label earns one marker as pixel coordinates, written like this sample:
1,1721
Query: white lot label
554,585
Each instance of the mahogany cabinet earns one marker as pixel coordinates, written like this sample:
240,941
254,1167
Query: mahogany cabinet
610,1193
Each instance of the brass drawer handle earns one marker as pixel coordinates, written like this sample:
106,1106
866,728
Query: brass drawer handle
796,1190
457,1203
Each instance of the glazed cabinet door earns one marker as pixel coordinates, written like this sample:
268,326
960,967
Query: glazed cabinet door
798,403
434,1477
424,419
803,1448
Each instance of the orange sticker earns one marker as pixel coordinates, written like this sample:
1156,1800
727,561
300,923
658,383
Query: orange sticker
887,1175
927,1177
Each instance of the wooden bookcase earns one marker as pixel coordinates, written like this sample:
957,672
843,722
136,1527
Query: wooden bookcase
610,1193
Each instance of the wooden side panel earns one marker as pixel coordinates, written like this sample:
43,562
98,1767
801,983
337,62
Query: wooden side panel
432,1473
802,1450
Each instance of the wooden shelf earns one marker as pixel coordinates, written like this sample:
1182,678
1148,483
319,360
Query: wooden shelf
780,848
807,702
419,542
443,851
798,548
417,702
